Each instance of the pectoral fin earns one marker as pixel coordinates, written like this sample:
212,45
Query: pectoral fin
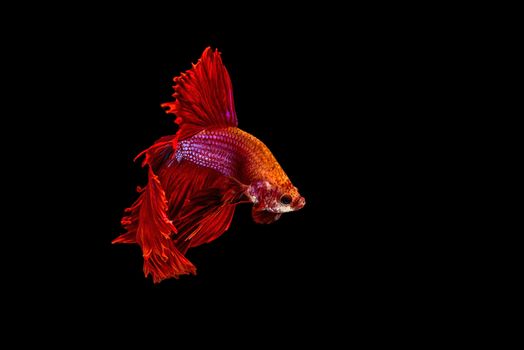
264,216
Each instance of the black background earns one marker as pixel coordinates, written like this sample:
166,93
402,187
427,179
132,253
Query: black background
340,108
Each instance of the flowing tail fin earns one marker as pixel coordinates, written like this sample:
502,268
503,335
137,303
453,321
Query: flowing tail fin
148,225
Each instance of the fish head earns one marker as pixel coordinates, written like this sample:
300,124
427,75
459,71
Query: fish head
275,198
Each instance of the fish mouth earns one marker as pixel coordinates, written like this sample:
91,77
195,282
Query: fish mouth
301,202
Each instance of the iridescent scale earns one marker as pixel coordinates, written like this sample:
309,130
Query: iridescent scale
232,152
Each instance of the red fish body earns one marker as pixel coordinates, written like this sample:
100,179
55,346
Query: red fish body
198,176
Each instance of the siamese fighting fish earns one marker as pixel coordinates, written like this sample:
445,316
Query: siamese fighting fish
198,176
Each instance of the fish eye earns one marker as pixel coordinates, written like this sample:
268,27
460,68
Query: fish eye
286,199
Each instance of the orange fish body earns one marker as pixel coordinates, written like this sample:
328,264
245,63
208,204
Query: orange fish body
198,176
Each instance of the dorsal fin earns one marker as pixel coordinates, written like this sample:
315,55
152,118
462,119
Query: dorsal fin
203,97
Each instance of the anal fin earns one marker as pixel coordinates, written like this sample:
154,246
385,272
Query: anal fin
208,214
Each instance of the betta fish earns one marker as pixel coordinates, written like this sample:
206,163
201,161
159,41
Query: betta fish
197,176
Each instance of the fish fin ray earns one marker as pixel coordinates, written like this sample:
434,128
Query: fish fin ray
152,229
182,181
264,216
162,152
203,97
208,213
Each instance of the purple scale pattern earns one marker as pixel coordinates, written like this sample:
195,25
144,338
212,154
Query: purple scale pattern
230,151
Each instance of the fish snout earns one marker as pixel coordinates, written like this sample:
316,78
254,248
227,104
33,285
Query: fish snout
299,204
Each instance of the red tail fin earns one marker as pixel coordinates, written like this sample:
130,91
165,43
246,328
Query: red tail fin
204,97
149,226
